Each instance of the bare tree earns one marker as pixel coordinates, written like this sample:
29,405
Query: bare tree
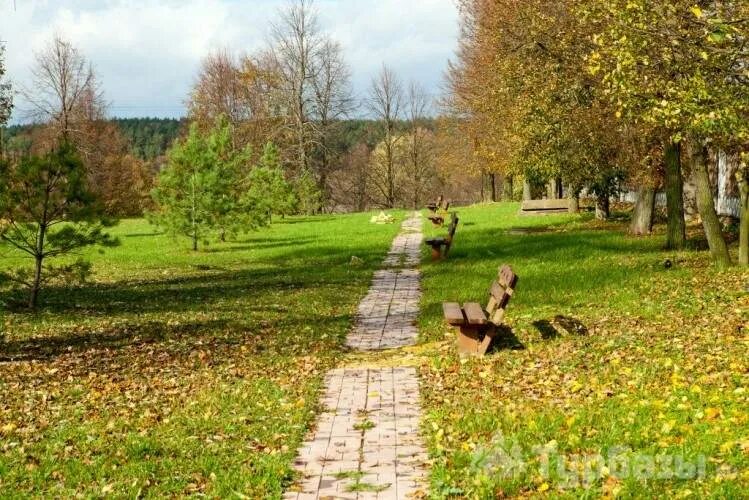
421,141
333,102
64,93
217,91
385,104
349,185
6,101
245,90
6,97
297,40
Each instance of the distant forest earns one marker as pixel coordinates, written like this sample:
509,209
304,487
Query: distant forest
151,138
148,138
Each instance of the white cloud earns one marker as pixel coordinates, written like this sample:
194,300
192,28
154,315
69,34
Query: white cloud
147,52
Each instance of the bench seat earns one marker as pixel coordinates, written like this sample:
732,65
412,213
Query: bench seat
470,314
436,242
479,325
441,245
453,313
543,207
437,220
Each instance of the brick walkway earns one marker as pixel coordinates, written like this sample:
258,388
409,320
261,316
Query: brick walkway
366,445
388,312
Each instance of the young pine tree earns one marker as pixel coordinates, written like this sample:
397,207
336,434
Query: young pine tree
47,210
267,191
204,189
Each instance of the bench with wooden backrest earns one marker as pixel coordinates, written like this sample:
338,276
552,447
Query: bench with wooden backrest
538,207
478,326
434,206
438,218
441,246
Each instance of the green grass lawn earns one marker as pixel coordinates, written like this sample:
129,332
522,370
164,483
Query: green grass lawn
653,364
176,373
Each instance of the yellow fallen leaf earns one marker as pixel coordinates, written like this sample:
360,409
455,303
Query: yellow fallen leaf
727,446
543,487
712,413
668,426
8,428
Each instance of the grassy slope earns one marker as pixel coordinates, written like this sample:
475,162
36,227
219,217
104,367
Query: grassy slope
177,373
662,368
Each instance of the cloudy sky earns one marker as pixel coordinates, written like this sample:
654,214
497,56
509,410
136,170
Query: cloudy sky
147,52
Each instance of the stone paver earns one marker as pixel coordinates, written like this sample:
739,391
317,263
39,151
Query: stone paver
388,313
406,247
367,444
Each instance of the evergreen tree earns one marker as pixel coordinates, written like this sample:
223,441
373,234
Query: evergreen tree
203,190
48,210
268,192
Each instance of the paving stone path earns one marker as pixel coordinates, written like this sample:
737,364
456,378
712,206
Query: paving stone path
366,444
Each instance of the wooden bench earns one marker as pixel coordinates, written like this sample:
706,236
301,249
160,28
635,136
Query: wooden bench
434,206
438,218
540,207
441,246
477,326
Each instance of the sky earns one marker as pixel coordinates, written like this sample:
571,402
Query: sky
147,53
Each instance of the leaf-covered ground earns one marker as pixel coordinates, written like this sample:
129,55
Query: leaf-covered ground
614,366
177,373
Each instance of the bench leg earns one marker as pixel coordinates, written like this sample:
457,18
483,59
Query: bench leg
475,340
436,254
469,339
486,341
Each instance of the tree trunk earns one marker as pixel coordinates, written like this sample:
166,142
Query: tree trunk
573,205
527,195
508,189
602,207
558,188
706,205
742,176
493,183
36,285
642,215
676,233
195,241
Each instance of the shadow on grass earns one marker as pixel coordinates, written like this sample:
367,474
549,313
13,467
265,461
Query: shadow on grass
305,220
546,329
505,340
204,335
144,235
549,331
244,245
